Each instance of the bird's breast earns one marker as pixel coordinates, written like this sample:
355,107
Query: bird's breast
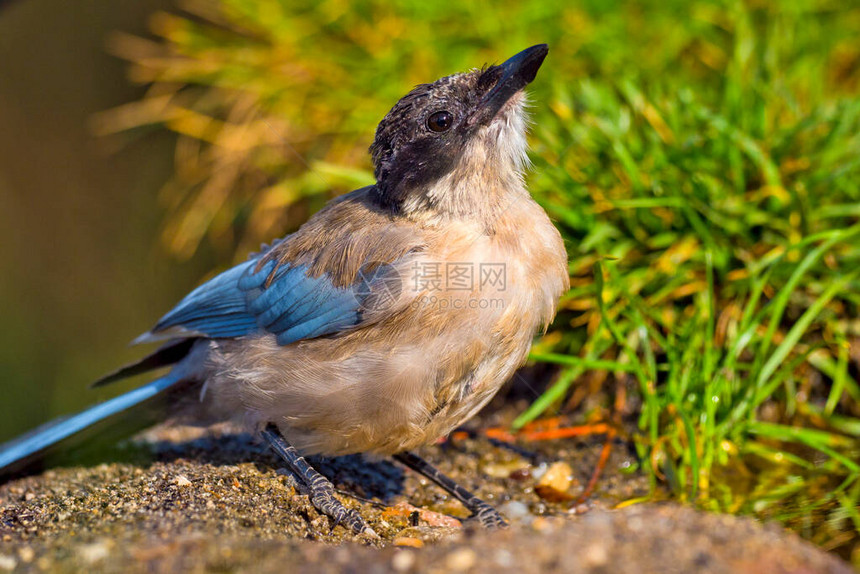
456,327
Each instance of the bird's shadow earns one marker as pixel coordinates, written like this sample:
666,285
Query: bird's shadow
355,475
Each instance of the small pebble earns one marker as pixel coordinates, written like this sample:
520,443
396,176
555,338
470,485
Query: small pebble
538,471
180,480
403,560
521,474
503,469
555,483
504,558
408,541
515,510
461,559
7,562
26,554
92,553
595,554
546,524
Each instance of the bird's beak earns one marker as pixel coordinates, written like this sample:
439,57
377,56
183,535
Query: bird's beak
507,79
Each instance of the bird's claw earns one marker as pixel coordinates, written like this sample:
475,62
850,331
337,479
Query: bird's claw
488,516
324,501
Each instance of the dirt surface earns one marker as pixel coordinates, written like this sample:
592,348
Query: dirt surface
214,500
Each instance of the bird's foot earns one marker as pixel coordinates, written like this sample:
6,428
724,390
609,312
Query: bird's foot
321,489
488,516
323,499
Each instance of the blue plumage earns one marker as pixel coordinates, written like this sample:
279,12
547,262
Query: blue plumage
238,302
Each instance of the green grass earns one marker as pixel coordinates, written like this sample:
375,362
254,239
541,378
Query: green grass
701,159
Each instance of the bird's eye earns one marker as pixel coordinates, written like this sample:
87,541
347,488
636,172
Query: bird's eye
440,121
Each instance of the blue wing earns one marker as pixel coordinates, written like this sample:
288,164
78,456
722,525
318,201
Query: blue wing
238,302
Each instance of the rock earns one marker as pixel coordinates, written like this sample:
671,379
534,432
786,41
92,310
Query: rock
122,517
555,483
405,512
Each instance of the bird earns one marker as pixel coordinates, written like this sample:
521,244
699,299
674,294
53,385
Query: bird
387,320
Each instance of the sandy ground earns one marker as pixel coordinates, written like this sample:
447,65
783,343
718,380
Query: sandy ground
182,499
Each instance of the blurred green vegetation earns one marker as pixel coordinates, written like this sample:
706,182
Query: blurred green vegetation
701,158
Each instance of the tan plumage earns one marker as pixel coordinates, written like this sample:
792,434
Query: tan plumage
414,370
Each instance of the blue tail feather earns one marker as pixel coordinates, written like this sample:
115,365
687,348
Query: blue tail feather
129,412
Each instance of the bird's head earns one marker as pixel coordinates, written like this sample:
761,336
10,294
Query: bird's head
447,147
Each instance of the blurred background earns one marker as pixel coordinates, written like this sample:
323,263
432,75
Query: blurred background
80,217
701,159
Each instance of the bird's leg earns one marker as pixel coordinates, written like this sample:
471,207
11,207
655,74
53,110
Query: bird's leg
321,490
488,515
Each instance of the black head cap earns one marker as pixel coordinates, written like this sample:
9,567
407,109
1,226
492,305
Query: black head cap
424,134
